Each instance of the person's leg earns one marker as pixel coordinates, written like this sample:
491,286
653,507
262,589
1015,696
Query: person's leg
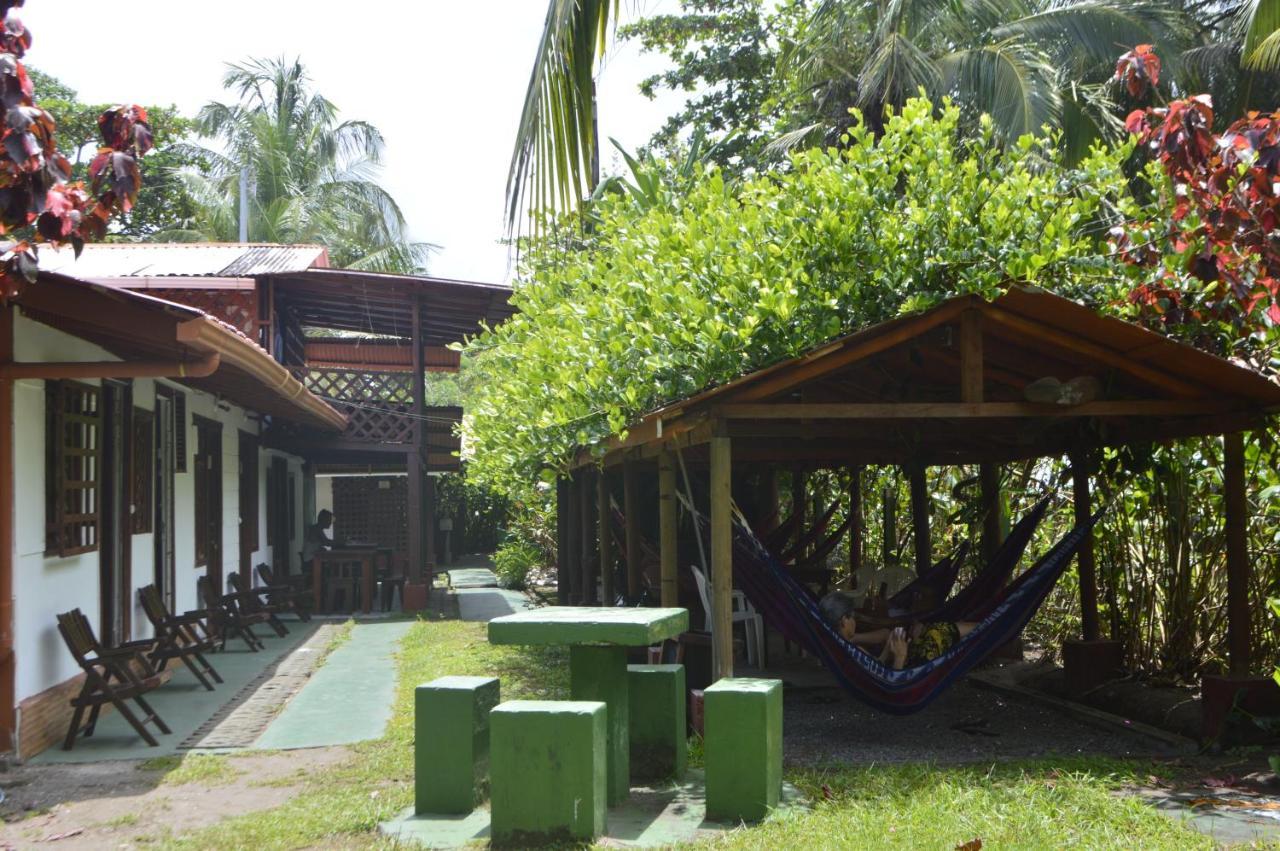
965,627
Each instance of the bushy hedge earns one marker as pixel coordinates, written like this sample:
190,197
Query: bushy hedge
694,287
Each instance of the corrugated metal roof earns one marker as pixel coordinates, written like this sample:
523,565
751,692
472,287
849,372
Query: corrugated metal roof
182,259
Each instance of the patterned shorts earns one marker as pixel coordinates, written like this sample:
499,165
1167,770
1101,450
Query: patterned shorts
935,640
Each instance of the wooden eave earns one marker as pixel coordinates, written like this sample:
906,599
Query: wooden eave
894,393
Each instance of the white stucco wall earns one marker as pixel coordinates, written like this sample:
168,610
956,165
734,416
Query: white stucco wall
43,587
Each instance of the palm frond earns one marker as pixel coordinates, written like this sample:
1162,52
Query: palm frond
1009,81
1094,32
556,149
1259,24
896,72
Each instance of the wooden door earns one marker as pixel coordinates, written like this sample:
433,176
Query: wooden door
116,523
208,499
279,520
248,505
166,560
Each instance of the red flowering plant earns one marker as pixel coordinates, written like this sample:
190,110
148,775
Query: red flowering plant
37,203
1207,254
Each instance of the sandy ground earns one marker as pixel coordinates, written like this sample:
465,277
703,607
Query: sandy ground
118,804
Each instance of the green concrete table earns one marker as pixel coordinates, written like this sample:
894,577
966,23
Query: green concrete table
597,639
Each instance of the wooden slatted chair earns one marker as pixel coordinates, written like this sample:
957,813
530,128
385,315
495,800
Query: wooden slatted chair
111,675
295,598
183,637
255,600
227,616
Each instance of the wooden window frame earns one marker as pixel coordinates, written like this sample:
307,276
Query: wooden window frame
142,473
179,425
73,509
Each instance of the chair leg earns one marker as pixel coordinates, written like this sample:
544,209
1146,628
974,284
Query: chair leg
278,625
152,715
208,669
127,714
74,729
250,638
196,671
93,720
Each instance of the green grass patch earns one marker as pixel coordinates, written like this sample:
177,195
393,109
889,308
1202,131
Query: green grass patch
1050,803
208,768
122,820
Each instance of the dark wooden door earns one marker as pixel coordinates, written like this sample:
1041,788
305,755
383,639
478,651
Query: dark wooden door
166,559
208,507
116,523
248,505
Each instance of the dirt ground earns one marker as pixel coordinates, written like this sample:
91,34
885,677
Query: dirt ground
120,804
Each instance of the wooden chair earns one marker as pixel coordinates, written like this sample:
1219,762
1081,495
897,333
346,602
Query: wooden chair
254,600
292,597
111,675
183,637
226,616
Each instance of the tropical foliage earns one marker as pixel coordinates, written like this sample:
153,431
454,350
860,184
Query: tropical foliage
312,175
668,296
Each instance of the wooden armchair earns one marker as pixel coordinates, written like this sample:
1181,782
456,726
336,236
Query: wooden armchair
183,637
291,597
255,600
111,675
227,615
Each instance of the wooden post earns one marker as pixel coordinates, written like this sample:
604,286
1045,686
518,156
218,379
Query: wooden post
572,565
631,505
415,458
8,681
992,517
1238,568
890,525
587,542
605,532
562,542
1084,557
667,528
721,560
920,519
856,527
799,484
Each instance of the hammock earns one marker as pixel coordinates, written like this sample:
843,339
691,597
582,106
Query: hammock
935,584
790,609
810,535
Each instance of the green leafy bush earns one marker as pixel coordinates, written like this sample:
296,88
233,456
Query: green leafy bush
688,288
514,560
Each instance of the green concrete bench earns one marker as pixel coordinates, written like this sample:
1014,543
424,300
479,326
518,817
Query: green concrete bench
547,771
659,743
451,742
743,748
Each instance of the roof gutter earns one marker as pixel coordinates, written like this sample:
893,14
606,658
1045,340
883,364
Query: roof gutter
201,368
208,336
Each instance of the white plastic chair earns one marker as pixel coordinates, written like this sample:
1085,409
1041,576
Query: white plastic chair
743,612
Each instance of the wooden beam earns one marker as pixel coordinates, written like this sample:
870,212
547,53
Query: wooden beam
856,530
1084,556
972,375
604,530
1116,360
889,519
587,541
564,576
721,559
631,507
973,410
8,489
799,505
920,503
667,529
1238,567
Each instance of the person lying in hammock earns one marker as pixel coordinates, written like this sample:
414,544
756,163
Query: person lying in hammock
902,647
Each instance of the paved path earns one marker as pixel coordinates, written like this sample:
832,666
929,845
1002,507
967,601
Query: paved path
349,699
480,598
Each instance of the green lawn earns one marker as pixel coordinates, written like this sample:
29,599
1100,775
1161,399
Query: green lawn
1046,804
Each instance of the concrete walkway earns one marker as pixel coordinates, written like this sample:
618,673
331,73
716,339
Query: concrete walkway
349,699
479,598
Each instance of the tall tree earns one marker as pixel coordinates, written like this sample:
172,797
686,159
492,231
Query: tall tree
311,175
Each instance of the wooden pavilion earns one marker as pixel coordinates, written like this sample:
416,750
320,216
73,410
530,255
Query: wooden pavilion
945,387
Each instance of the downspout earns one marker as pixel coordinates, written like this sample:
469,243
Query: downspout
201,368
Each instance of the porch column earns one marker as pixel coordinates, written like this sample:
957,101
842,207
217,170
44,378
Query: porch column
1238,567
8,720
1084,557
889,517
605,531
721,559
992,518
667,528
587,536
855,527
920,519
799,484
631,506
413,511
416,460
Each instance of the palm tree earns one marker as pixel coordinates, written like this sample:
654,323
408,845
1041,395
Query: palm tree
1026,63
312,177
556,161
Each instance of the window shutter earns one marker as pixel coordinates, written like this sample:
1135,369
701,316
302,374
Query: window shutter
180,431
73,465
141,517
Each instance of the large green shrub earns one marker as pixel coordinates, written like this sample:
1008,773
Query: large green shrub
513,561
695,287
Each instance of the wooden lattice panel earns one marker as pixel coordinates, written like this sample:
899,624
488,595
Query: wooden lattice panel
373,509
363,387
237,308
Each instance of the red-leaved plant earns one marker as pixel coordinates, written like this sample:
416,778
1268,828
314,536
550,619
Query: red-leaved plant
1215,258
34,192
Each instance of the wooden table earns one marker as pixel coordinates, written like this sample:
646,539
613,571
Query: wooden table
363,554
597,639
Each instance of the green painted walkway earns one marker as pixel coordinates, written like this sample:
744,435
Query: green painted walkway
182,702
349,699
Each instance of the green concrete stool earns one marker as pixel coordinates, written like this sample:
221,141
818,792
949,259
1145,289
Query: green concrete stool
450,742
659,745
743,748
547,771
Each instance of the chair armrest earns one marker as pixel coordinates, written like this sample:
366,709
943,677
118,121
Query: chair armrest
124,651
193,615
140,644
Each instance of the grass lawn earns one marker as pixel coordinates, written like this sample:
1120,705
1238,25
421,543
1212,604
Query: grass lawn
1046,804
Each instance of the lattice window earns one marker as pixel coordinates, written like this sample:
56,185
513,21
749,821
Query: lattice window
142,459
384,387
72,467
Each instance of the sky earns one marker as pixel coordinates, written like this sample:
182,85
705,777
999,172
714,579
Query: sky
443,81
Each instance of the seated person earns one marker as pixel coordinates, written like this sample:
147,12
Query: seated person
317,539
902,646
